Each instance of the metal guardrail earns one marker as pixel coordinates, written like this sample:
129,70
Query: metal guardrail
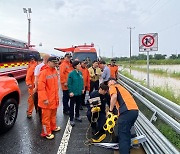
156,143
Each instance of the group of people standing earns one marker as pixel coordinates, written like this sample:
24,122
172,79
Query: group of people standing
76,79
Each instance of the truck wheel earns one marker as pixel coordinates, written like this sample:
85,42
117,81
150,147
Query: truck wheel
8,114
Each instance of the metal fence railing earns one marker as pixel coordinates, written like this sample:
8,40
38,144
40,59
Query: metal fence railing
160,108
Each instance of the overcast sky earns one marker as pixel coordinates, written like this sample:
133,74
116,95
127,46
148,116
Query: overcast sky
63,23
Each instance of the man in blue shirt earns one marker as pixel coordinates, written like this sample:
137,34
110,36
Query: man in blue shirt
106,71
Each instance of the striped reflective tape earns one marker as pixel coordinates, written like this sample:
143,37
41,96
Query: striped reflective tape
9,65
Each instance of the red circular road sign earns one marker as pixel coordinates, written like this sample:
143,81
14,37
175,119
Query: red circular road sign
148,40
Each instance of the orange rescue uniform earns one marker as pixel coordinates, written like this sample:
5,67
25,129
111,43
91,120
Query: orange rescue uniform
65,69
125,101
113,70
48,90
30,81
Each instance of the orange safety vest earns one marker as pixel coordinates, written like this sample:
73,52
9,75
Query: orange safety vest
125,101
86,78
48,88
65,69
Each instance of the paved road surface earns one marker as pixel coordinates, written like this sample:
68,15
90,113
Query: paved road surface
24,137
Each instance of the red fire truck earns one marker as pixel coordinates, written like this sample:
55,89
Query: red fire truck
15,56
81,52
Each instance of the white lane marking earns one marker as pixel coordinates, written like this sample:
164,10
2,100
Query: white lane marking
65,139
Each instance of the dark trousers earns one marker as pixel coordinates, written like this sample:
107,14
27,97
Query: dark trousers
94,85
83,98
125,122
65,100
74,100
98,126
37,108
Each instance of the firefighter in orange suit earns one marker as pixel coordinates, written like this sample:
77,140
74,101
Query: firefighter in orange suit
65,69
113,69
86,79
30,84
32,61
48,98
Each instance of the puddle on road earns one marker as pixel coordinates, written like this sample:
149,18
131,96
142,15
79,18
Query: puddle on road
158,81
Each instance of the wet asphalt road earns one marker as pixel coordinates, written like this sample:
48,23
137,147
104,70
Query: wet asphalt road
24,137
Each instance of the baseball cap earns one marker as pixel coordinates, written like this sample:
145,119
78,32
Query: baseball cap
53,59
68,55
113,59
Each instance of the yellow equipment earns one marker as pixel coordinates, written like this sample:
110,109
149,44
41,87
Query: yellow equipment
95,109
110,123
99,139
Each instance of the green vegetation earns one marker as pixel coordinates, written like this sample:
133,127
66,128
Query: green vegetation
151,62
164,128
167,92
168,132
156,59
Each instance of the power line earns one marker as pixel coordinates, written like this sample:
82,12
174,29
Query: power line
155,12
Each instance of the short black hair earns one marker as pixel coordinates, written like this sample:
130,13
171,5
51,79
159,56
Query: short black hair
75,63
95,61
104,86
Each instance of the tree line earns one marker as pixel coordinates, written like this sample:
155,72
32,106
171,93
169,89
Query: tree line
144,57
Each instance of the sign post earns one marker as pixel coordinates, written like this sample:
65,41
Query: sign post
148,42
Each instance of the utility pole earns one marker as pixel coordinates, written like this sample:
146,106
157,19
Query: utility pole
112,52
28,11
130,28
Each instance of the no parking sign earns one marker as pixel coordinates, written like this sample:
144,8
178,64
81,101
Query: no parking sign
148,42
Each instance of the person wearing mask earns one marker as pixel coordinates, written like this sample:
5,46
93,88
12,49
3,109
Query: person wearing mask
113,69
48,98
105,71
76,88
30,84
128,113
65,69
86,79
95,73
97,118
